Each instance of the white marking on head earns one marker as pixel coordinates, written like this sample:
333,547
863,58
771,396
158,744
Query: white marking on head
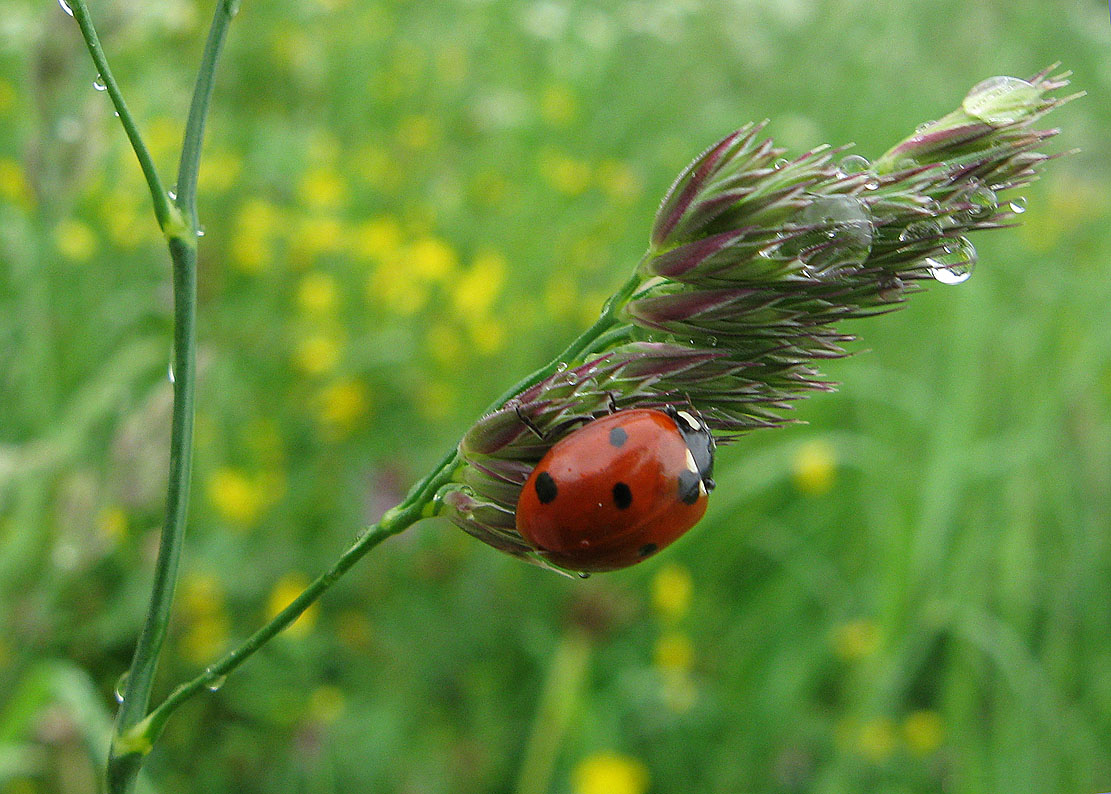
692,467
691,421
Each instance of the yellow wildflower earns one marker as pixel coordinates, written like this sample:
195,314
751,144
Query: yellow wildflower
393,288
671,591
814,467
235,496
674,652
317,353
326,703
558,106
856,639
566,174
378,238
206,637
610,773
287,589
876,739
431,259
342,404
255,225
488,336
75,239
322,188
923,731
478,287
112,523
317,293
14,186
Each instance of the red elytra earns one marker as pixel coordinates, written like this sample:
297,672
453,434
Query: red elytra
618,489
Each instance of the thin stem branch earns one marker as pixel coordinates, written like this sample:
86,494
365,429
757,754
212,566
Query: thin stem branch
198,112
169,219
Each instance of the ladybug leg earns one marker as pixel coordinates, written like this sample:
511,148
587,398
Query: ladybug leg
529,423
612,401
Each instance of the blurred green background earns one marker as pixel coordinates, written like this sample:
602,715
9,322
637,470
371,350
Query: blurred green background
407,206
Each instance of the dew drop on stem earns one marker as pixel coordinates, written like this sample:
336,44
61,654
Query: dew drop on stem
1018,205
99,84
954,263
65,7
121,686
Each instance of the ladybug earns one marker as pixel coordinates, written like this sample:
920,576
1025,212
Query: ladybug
618,489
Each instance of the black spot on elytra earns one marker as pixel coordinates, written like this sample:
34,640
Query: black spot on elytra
622,496
688,487
618,437
546,489
648,548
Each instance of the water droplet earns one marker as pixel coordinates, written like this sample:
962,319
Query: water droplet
1018,205
782,162
170,368
116,114
954,263
98,84
983,202
920,230
1001,100
855,164
200,231
925,125
65,7
172,194
215,683
584,575
121,686
831,232
712,341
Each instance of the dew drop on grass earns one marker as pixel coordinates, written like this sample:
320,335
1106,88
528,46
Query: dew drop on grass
584,575
65,7
200,231
1001,100
215,683
833,232
855,164
121,686
782,162
170,372
920,230
953,264
983,202
1018,205
99,84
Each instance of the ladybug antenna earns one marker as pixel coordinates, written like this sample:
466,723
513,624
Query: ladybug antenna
529,423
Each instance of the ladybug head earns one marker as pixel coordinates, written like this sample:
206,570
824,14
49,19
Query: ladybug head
700,441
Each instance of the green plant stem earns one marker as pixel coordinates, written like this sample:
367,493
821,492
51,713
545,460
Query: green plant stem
553,714
169,218
143,735
179,223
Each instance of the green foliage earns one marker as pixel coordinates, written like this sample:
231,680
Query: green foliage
406,207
